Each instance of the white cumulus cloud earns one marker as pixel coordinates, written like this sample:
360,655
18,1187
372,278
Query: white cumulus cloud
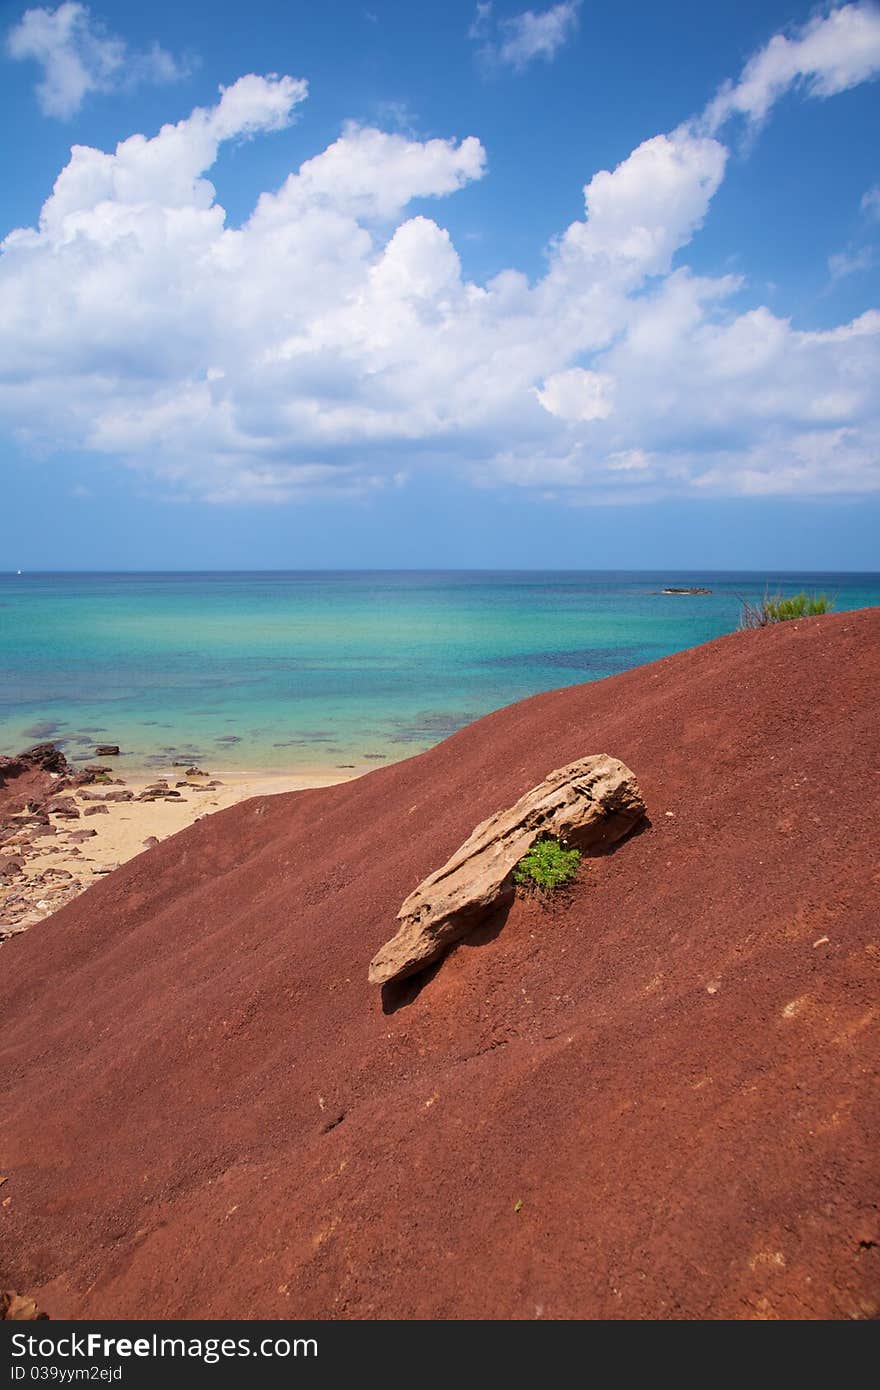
577,395
333,341
518,40
827,55
78,56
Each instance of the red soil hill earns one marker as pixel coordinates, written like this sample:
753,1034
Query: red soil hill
206,1111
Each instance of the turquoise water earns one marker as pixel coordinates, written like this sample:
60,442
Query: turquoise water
295,671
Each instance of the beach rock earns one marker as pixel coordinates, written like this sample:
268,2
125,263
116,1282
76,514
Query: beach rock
588,804
11,866
77,836
119,796
96,811
63,806
42,757
83,778
107,750
150,841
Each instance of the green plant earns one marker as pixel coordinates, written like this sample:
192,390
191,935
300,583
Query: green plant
547,866
779,609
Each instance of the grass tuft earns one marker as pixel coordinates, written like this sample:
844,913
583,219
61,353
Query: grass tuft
778,609
547,866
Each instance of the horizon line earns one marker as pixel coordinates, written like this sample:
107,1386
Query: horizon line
431,569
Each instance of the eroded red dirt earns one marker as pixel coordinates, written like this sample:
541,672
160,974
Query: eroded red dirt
206,1111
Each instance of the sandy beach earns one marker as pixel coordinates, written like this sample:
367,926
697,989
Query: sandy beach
101,830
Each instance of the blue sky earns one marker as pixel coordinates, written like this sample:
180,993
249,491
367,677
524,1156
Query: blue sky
577,284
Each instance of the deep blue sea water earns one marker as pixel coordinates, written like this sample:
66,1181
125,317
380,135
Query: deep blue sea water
312,670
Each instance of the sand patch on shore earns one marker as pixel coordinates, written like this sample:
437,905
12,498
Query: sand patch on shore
59,867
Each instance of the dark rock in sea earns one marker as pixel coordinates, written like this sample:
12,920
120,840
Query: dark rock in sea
44,729
107,750
596,661
685,591
432,726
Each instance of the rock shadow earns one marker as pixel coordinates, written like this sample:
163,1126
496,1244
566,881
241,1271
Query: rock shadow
398,994
641,827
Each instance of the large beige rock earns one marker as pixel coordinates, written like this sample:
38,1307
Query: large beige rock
589,804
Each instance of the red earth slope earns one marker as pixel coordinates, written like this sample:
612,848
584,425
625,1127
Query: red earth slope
206,1111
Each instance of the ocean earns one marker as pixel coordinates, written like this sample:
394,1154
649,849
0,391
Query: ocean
315,670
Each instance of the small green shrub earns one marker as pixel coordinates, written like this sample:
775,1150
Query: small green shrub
781,610
547,866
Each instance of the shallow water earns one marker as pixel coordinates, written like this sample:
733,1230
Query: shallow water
297,671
